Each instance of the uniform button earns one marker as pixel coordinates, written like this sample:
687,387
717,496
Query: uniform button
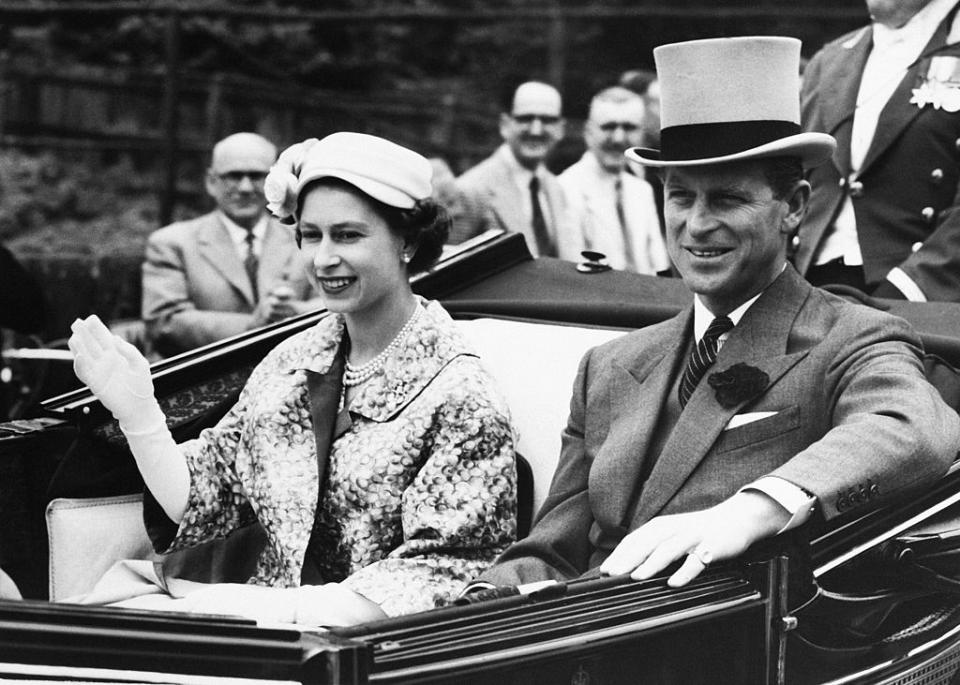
913,248
936,175
856,189
795,243
875,490
928,213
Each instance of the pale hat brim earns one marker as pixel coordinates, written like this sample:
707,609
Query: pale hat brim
812,149
386,193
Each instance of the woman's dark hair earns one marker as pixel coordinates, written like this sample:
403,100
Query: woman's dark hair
425,226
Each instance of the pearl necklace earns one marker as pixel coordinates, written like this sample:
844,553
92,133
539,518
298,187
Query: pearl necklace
355,375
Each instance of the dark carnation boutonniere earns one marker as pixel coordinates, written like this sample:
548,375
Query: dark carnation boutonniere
738,383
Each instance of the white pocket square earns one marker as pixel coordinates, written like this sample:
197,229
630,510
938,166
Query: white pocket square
749,417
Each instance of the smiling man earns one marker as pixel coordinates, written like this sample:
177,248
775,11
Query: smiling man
613,210
228,271
520,193
765,403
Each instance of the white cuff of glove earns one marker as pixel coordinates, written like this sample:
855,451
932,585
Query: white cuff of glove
158,458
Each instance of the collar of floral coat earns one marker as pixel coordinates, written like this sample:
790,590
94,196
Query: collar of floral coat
429,346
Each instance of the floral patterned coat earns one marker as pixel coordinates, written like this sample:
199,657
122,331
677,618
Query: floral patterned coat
420,494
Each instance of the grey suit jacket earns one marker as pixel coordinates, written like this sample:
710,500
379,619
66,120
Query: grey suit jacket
490,185
855,423
906,194
195,287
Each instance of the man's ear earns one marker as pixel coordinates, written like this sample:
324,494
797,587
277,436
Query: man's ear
209,181
797,202
505,122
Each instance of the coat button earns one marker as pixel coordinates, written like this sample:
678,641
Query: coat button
913,248
928,213
956,143
856,189
842,183
936,175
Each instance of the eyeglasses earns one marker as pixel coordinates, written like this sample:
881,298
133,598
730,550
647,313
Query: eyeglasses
611,126
235,178
527,119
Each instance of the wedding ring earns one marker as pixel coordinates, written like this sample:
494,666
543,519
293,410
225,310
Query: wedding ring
702,555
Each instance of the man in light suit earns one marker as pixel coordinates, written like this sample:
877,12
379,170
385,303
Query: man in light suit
514,186
812,407
884,211
614,210
228,271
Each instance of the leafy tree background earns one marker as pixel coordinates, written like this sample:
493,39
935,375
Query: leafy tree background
375,64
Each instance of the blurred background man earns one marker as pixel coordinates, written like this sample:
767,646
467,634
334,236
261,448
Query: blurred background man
514,185
614,211
227,271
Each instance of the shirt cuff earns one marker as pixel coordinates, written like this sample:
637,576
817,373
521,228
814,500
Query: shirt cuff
906,285
799,503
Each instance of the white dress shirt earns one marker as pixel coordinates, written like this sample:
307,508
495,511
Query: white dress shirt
238,234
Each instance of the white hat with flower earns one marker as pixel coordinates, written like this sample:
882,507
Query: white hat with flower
387,172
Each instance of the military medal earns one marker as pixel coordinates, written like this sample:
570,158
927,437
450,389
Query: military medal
941,85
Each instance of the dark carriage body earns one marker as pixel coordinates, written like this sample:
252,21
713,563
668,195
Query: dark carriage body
849,603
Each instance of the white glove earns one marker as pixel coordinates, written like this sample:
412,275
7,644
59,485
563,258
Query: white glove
119,376
310,605
116,373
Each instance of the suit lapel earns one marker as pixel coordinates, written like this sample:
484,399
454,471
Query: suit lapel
217,248
504,196
899,112
760,340
275,257
840,85
639,386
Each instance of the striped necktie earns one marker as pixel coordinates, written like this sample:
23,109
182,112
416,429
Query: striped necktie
702,357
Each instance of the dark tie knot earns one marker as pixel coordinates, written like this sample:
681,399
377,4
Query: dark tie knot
717,327
534,184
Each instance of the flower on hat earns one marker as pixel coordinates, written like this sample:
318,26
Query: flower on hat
737,384
280,186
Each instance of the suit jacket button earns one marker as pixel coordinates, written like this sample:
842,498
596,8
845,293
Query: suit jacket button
913,248
928,213
856,189
936,175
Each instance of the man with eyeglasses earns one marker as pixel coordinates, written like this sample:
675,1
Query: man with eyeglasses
513,184
228,271
613,210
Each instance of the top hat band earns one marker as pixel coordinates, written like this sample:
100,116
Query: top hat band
706,141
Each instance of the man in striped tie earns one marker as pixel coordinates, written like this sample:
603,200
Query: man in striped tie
766,404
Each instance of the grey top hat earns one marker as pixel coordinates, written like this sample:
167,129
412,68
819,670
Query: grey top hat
731,99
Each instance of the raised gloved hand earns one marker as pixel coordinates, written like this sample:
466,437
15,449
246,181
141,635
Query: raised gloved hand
116,373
